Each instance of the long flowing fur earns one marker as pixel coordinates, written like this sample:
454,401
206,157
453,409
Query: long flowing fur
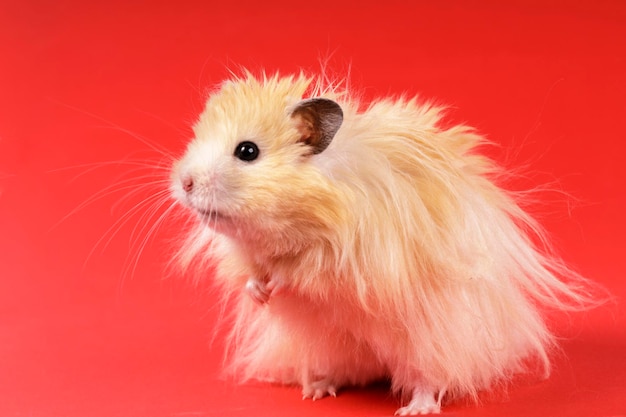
399,255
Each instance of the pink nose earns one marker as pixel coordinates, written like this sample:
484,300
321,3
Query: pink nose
187,183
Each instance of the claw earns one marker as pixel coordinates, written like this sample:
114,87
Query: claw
422,403
318,390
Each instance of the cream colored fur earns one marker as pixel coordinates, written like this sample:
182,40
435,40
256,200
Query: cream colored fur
395,253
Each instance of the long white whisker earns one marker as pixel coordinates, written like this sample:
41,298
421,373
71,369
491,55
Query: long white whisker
174,127
96,165
161,184
118,224
140,246
161,199
159,149
103,193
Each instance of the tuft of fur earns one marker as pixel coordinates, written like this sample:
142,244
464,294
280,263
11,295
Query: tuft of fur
397,254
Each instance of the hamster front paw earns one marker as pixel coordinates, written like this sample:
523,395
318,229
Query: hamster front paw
261,290
257,290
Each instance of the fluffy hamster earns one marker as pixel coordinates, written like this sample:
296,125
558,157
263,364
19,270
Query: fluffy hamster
360,243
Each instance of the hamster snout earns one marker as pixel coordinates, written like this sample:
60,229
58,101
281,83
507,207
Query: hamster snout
194,191
193,186
205,194
187,183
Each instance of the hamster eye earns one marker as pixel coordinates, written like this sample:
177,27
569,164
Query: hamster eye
247,151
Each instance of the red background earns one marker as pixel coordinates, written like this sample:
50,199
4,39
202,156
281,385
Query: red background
91,321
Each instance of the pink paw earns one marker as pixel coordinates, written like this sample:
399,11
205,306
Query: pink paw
261,291
318,390
257,290
421,403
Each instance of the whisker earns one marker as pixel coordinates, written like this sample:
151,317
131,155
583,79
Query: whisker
136,187
171,125
160,150
144,191
105,192
102,164
137,247
109,124
161,198
163,186
148,234
118,225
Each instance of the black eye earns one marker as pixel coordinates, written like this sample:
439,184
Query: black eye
247,151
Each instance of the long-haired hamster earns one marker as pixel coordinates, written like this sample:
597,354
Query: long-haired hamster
364,241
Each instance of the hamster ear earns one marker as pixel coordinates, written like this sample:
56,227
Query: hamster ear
317,120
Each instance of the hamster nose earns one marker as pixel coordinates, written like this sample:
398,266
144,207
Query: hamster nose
187,183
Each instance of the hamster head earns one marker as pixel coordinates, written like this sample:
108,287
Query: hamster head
250,171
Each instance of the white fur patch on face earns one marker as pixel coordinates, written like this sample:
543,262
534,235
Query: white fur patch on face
198,180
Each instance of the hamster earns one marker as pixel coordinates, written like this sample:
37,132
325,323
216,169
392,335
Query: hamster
360,242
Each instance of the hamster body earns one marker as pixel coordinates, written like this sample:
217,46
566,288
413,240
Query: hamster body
364,243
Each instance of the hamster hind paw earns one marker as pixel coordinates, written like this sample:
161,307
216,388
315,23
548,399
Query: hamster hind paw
421,403
318,390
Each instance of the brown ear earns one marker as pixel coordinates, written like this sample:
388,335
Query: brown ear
317,120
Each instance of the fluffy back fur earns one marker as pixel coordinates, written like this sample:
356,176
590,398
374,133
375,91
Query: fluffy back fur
398,255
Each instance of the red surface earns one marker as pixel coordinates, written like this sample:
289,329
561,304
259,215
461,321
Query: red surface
92,323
